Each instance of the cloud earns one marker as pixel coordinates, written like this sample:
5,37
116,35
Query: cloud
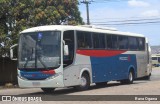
151,13
136,3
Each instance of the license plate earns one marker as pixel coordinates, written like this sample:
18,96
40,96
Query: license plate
36,83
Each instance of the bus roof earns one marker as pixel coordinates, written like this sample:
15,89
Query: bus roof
79,28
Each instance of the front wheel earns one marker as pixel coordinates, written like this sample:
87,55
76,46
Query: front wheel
48,90
85,82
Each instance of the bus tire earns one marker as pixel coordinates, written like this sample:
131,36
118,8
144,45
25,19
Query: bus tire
101,84
130,78
85,82
48,90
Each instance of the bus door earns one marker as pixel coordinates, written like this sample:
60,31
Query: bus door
70,70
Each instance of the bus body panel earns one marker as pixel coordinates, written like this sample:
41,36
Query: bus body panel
73,72
143,67
110,67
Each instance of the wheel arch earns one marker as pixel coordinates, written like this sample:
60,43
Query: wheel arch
87,71
133,69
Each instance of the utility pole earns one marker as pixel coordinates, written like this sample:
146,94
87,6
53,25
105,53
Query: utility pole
87,9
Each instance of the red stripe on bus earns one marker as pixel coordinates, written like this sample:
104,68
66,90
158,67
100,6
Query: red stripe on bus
100,53
48,72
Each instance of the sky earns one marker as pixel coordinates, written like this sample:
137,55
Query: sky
137,16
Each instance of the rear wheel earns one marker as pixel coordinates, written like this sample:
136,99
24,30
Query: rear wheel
48,90
85,82
130,78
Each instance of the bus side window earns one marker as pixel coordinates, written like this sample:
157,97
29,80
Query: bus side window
102,41
95,40
133,43
109,41
141,42
123,42
98,41
114,41
80,39
84,40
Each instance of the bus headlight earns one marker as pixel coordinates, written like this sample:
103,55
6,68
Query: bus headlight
19,76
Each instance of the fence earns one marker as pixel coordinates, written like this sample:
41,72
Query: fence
8,71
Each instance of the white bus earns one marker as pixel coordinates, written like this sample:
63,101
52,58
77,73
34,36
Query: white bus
156,60
56,56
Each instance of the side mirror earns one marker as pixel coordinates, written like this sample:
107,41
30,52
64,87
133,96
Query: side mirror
66,50
12,52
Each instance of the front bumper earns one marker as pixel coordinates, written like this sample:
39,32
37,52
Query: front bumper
47,83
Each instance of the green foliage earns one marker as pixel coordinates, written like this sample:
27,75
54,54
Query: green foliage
17,15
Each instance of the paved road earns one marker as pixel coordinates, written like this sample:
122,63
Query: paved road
140,87
155,74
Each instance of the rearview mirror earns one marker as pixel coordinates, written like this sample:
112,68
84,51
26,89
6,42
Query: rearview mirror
66,50
12,51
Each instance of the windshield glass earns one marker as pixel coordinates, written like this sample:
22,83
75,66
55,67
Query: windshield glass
154,58
39,50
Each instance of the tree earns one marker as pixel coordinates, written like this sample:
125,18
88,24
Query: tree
17,15
5,16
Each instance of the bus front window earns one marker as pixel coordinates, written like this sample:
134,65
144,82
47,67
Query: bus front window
39,50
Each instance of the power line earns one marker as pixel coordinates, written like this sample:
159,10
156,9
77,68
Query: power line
134,23
119,22
103,1
132,20
126,18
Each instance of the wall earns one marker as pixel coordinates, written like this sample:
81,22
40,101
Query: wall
8,71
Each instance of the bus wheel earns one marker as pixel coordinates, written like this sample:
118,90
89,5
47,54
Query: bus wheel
48,90
101,84
85,82
130,78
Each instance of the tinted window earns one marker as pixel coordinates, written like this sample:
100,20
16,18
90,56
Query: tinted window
154,58
114,42
141,42
109,41
84,40
95,40
98,40
158,59
101,40
123,42
133,43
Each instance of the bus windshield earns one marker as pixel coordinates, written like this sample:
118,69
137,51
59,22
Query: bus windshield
39,50
154,58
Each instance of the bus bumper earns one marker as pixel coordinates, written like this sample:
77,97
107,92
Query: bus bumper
47,83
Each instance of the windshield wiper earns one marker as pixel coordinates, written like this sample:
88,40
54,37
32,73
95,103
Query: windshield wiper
26,63
39,55
44,65
28,59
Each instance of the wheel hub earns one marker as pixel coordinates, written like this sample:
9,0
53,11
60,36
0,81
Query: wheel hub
83,81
